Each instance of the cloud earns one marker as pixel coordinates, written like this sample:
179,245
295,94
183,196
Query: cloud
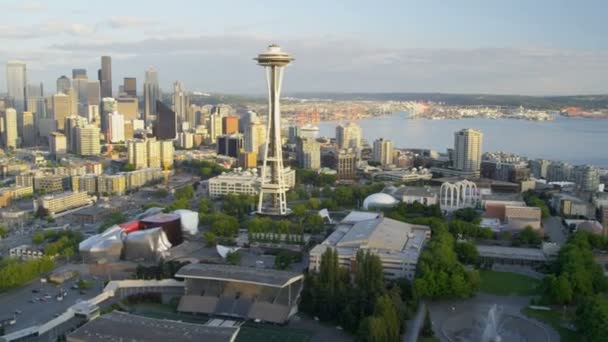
29,6
224,63
128,22
48,29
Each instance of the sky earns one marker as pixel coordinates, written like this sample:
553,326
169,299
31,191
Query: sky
540,47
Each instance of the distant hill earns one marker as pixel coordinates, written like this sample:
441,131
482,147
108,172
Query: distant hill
545,102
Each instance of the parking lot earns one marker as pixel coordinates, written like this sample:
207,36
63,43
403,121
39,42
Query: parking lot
30,307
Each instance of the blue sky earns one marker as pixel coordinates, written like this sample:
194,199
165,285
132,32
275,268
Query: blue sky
515,47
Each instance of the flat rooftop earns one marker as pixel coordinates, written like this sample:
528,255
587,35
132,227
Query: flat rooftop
266,277
520,253
118,326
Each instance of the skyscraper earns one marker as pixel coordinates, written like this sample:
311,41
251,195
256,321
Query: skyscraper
230,145
153,152
11,138
214,126
166,154
57,144
88,141
16,84
272,199
105,76
27,129
61,109
116,123
128,106
79,74
230,124
308,153
166,122
181,101
63,84
151,94
383,152
71,123
467,150
255,139
348,136
129,86
93,94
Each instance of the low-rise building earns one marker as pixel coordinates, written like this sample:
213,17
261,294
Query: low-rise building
55,204
109,185
410,194
397,244
242,182
518,217
11,193
25,252
570,206
47,184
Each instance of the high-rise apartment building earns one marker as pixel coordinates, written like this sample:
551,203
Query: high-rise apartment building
105,76
538,168
63,84
129,86
348,136
16,84
116,124
346,164
88,141
153,153
214,126
308,153
467,150
151,94
69,129
181,101
586,177
383,152
230,124
58,144
247,160
138,153
166,122
11,136
166,154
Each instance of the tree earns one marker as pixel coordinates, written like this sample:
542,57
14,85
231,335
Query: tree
205,206
468,215
313,223
3,232
427,327
372,329
127,167
314,203
224,225
284,259
38,238
186,192
592,318
210,239
299,210
233,258
529,236
467,252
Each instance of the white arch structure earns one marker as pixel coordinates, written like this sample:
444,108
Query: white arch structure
458,195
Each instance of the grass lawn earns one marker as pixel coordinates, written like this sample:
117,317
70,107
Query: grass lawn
507,284
272,334
554,319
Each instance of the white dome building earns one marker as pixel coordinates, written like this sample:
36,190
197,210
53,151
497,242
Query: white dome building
379,200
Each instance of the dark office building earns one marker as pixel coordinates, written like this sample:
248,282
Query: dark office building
229,145
105,76
166,122
129,86
79,73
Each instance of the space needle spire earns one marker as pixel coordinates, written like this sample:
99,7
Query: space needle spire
273,200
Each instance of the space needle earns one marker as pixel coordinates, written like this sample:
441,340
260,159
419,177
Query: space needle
273,200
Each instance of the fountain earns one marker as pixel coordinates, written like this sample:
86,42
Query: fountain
490,331
483,324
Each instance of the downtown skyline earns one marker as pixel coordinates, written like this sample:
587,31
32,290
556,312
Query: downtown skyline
530,49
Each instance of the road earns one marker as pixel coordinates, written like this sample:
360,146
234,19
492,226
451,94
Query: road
555,229
415,325
40,311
